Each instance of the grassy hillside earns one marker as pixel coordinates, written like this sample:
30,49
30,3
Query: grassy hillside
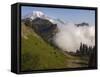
37,54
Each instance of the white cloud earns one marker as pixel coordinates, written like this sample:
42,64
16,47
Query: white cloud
70,36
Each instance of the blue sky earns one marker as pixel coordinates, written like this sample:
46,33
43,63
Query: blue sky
67,15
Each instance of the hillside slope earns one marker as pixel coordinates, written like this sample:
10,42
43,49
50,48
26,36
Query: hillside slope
38,54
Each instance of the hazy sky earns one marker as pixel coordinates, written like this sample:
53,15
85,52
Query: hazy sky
68,15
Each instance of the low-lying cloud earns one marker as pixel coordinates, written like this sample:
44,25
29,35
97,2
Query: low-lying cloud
70,36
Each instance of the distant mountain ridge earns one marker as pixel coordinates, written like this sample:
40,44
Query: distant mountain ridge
37,14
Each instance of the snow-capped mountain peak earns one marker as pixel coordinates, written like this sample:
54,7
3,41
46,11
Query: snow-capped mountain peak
38,14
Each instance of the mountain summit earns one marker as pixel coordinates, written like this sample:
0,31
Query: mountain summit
38,14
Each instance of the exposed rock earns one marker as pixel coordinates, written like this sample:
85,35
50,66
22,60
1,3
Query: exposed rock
44,28
82,24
